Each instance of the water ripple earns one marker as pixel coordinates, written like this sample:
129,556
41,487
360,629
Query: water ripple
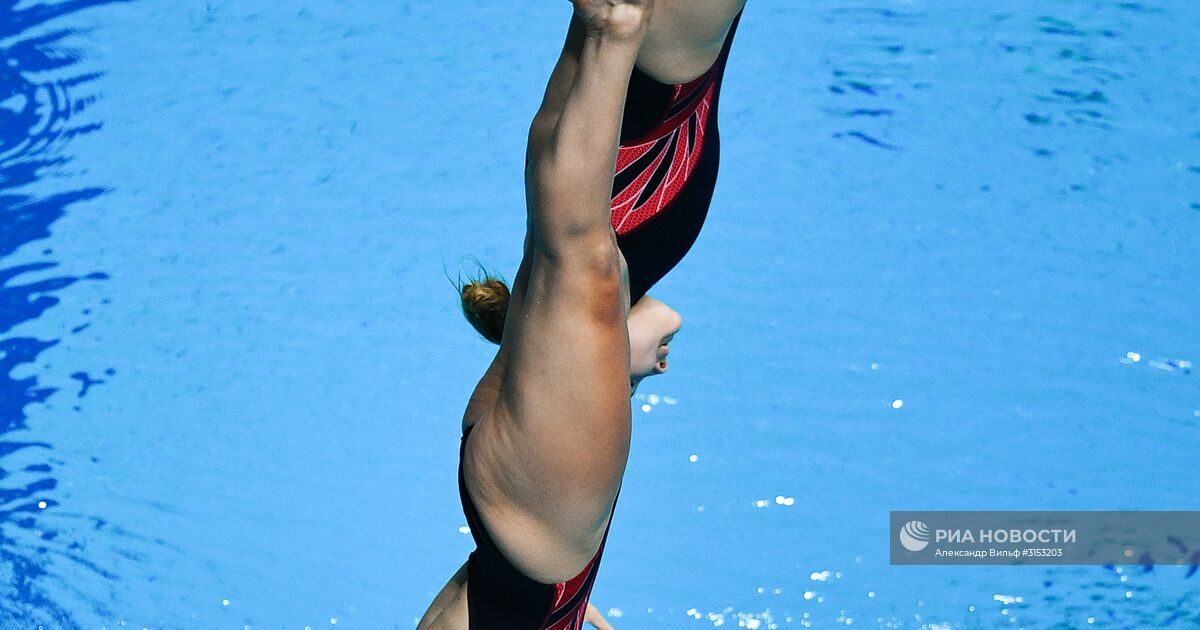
872,70
40,112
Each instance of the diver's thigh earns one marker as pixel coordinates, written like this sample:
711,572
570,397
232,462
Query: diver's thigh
544,466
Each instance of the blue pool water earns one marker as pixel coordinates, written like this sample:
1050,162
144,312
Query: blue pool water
232,369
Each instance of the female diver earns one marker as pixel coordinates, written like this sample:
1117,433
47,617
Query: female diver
667,161
546,441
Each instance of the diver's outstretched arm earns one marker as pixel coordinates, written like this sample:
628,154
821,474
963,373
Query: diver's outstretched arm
596,619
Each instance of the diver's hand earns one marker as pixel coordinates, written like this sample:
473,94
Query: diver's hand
596,619
619,19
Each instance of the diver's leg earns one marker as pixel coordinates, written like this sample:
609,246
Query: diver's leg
544,466
685,38
557,89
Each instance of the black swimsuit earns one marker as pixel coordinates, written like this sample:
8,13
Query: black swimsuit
666,170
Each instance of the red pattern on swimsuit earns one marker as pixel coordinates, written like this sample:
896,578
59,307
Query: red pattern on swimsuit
571,598
673,149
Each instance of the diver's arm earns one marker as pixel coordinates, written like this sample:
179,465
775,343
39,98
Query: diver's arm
449,608
597,620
